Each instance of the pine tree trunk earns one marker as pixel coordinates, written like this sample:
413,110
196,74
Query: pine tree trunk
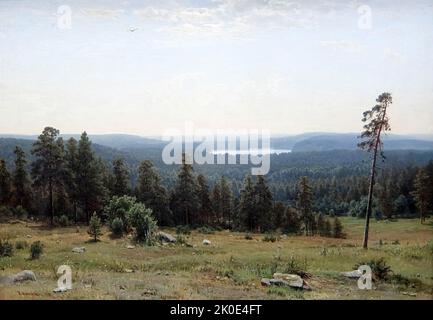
51,202
370,196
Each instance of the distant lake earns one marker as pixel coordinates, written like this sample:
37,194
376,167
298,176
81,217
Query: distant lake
255,151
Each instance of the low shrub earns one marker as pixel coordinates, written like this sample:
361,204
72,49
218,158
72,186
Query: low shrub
5,212
185,230
297,266
248,236
270,237
20,213
63,221
117,227
6,248
206,230
36,250
379,267
21,244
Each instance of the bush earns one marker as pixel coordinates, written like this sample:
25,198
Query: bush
118,207
21,244
185,230
6,248
248,236
206,230
380,269
95,227
270,237
296,266
117,227
64,221
36,250
141,219
20,213
5,212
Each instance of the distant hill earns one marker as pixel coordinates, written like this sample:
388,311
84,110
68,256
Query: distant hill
328,142
136,147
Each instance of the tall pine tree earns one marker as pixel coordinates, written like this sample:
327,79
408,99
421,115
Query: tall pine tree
48,167
21,179
185,201
5,183
153,194
305,204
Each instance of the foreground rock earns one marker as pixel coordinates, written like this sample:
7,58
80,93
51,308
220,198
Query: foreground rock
26,275
286,280
355,274
207,242
79,250
166,237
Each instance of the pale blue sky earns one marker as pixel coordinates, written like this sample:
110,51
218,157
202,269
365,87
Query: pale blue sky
286,66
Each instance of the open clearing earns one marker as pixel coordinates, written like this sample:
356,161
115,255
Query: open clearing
230,268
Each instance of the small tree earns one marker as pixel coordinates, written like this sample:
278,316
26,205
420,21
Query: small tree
95,227
36,249
338,228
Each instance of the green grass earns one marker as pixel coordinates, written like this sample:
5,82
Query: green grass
231,268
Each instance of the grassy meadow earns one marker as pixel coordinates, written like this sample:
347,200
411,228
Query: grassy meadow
230,268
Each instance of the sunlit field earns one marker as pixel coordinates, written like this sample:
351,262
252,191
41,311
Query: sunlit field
231,267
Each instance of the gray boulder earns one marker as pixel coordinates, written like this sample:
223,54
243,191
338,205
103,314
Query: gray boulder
293,280
286,280
166,237
355,274
79,250
26,275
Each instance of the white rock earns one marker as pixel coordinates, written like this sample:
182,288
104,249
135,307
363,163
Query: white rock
24,276
207,242
355,274
79,250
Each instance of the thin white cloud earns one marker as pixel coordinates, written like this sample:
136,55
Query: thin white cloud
342,45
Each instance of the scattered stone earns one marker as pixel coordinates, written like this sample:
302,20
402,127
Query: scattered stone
28,236
24,276
411,294
266,282
293,280
130,247
87,286
207,242
149,292
79,250
60,290
122,287
128,270
283,280
166,237
355,274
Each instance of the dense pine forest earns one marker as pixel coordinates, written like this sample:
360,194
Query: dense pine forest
68,181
